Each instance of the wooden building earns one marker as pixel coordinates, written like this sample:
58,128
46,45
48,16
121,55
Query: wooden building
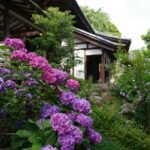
95,49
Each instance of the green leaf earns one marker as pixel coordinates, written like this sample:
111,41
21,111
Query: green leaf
36,146
52,139
23,133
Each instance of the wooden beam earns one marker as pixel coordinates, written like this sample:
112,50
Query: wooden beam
6,22
20,16
24,20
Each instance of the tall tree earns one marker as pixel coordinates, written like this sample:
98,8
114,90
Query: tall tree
101,21
57,37
146,39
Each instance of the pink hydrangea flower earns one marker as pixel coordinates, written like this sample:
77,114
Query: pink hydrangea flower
72,84
18,54
24,50
39,62
31,55
49,77
14,43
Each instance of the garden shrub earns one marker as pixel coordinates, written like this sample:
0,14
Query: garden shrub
118,128
132,83
39,105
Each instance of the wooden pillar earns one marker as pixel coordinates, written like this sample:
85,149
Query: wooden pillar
102,73
6,22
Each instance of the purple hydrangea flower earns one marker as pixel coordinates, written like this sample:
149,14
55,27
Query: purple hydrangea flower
29,96
60,75
2,86
76,134
67,147
61,123
4,71
48,110
81,105
48,147
72,115
30,82
19,92
67,142
84,120
94,136
10,84
67,98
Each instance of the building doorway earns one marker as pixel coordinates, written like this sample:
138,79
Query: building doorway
92,66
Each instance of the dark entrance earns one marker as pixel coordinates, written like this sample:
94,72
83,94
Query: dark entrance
92,65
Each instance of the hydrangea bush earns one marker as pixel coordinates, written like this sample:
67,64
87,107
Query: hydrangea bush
40,103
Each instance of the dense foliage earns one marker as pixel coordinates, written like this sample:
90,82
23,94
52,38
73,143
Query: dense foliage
57,37
100,21
146,39
119,133
133,82
39,105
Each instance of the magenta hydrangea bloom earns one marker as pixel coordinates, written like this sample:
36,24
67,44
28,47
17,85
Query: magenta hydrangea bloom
60,75
49,77
81,105
14,43
17,54
84,120
94,136
61,123
39,62
48,110
48,147
10,84
4,71
67,98
72,84
24,50
31,55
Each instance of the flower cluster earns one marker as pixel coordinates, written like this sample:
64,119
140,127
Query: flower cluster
82,106
4,71
48,147
70,117
49,110
69,135
14,43
5,85
72,84
94,136
20,55
67,98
